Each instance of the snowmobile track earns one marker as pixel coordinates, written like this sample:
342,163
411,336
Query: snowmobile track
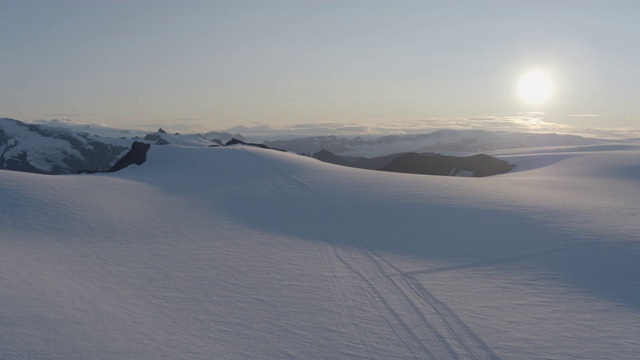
429,328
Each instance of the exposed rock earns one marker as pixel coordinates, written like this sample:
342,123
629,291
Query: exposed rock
156,138
43,149
331,158
235,141
478,165
427,164
137,155
221,136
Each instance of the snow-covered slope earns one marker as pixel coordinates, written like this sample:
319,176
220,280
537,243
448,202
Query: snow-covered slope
241,252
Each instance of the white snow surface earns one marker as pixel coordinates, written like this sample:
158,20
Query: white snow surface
240,252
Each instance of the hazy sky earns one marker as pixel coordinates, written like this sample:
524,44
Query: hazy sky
225,63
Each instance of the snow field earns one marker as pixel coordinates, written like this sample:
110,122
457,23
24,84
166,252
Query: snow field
247,253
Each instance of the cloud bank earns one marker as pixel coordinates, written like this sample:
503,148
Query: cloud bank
525,122
522,122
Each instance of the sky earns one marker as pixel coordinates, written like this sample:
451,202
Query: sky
242,64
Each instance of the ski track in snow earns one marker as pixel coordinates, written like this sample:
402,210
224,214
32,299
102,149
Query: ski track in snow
427,326
298,272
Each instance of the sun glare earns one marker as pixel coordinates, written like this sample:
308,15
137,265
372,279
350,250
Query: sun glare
535,87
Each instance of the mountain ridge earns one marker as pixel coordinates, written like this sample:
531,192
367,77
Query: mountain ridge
462,141
55,150
479,165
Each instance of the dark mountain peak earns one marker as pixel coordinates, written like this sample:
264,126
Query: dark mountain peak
221,136
161,131
137,155
329,157
323,152
235,141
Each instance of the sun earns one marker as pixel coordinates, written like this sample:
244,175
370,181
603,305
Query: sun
535,87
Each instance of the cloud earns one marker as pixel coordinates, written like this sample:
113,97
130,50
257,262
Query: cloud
182,125
532,113
65,122
67,115
608,133
524,122
253,129
585,115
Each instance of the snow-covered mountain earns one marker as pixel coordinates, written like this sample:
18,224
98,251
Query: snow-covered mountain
102,130
241,252
464,141
52,150
211,138
44,149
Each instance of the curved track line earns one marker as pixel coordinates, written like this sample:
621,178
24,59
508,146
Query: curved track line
429,328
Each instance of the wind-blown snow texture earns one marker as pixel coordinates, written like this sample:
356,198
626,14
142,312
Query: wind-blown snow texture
238,252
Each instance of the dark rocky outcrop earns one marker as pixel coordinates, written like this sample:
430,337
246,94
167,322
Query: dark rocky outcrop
477,165
156,138
356,162
426,164
20,162
235,141
221,137
331,158
137,155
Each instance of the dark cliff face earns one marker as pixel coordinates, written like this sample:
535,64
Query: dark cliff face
137,155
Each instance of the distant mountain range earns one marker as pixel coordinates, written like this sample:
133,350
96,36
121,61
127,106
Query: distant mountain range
462,141
161,137
43,149
53,150
39,148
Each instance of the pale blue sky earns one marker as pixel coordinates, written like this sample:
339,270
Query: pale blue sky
226,63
